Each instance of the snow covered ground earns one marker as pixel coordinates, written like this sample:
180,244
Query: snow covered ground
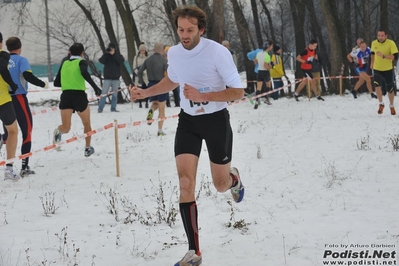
321,184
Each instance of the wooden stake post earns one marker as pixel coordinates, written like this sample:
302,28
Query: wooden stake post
340,85
118,173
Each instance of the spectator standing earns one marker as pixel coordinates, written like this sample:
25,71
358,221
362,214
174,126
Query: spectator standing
71,78
112,61
7,113
203,68
176,91
137,62
21,74
156,66
277,71
226,44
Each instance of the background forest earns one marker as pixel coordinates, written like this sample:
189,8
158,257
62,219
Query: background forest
245,23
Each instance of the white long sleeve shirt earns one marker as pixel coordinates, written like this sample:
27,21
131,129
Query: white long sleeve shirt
209,67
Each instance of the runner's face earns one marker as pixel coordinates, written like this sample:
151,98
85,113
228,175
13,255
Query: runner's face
313,46
363,47
381,36
188,32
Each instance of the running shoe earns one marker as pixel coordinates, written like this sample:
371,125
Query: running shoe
161,133
393,112
57,136
381,109
149,116
89,151
190,259
27,171
238,190
9,174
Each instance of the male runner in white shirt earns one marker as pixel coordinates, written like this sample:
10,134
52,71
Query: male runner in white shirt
203,68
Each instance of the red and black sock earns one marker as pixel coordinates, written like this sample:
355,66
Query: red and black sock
189,215
235,180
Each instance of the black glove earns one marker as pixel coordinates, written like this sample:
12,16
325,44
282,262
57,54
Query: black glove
14,88
97,91
272,64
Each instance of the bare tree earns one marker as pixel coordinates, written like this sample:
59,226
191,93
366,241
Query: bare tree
384,21
336,36
298,9
169,6
366,18
316,31
269,19
258,33
217,33
243,31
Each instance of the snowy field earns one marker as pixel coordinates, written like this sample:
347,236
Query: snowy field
321,184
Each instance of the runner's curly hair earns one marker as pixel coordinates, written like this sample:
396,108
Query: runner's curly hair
190,12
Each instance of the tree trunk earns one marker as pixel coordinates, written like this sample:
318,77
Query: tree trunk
258,33
112,37
269,20
384,15
298,17
348,26
135,32
217,21
169,6
124,11
317,33
337,38
99,37
204,5
243,32
366,15
93,23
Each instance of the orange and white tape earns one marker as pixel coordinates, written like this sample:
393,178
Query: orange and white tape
53,146
55,108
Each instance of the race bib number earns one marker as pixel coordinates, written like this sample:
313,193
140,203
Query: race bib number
196,108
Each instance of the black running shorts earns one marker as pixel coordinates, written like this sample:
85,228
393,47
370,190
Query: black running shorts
307,73
74,99
264,75
384,79
214,128
7,114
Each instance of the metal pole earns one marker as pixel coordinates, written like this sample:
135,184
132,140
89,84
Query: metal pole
49,70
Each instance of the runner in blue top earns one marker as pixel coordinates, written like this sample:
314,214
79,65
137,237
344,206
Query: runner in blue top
21,74
362,65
